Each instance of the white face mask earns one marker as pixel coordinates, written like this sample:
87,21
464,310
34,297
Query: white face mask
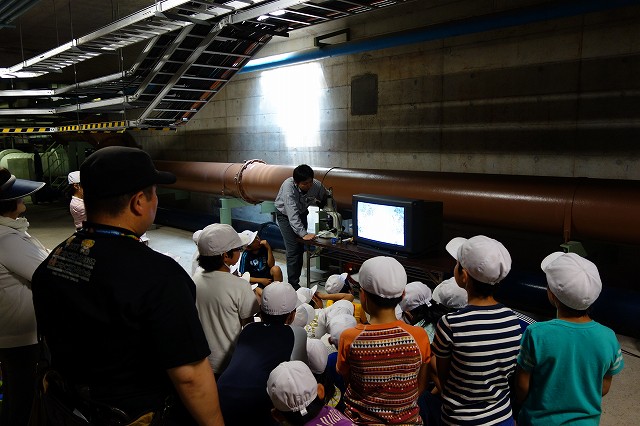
228,265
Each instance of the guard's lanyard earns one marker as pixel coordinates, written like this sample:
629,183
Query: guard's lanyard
113,232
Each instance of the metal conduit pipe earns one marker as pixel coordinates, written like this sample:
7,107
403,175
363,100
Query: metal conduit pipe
506,19
576,208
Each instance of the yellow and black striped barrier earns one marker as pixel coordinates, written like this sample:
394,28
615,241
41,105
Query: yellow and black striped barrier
28,130
105,127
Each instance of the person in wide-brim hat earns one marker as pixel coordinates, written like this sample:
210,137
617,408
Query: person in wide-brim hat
20,255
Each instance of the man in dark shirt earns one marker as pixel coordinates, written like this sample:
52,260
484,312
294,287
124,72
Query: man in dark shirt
119,318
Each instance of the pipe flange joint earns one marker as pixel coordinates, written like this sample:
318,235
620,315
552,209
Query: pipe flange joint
238,180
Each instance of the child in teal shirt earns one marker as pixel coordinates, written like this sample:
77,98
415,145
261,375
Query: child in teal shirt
566,365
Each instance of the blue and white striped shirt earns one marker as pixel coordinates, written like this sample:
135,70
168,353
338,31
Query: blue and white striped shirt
482,343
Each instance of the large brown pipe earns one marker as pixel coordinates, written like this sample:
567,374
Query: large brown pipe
575,208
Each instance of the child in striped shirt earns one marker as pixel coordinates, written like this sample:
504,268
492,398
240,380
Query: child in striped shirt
476,347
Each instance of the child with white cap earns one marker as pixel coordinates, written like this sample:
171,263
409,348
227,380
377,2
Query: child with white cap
424,308
476,347
318,354
448,293
336,325
337,284
317,327
321,326
385,362
258,260
304,315
76,205
194,257
566,365
316,299
297,397
416,294
260,348
225,302
310,296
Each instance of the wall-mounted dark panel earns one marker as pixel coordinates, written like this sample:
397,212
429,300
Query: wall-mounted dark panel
364,94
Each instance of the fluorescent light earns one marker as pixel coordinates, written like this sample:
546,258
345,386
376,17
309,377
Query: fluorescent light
7,73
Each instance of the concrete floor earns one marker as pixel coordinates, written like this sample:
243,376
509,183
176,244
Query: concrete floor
51,224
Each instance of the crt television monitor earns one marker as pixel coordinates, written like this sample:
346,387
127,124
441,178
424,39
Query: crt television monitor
397,225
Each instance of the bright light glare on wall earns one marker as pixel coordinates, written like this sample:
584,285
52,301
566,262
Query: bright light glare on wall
294,94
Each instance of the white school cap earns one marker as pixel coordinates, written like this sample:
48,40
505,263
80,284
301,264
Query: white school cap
416,294
335,283
317,355
450,294
279,298
574,280
247,237
73,177
292,386
218,238
383,276
304,315
484,258
306,294
338,324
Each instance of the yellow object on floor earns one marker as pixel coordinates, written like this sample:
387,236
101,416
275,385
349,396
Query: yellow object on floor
357,309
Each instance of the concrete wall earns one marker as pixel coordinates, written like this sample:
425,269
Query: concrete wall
558,98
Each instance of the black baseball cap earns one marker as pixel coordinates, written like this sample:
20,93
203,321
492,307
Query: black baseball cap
119,170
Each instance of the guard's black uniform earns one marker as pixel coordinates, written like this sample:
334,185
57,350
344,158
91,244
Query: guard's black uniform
116,314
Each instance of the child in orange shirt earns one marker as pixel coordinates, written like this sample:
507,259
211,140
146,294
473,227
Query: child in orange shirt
385,362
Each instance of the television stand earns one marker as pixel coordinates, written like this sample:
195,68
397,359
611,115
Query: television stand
394,254
429,268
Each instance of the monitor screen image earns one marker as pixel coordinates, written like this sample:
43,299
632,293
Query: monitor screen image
382,223
396,225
